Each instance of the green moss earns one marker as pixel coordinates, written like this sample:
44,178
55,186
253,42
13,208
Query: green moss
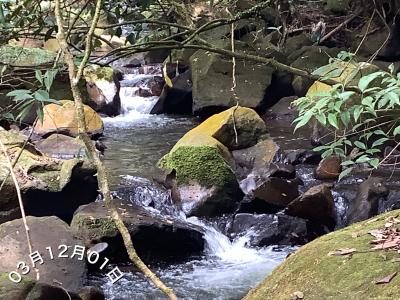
17,55
11,290
203,164
94,228
95,73
319,276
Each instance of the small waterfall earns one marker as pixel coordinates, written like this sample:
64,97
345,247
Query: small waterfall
135,95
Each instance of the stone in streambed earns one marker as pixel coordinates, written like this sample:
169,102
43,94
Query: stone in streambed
269,229
201,167
103,88
62,119
329,168
316,204
62,147
45,232
152,235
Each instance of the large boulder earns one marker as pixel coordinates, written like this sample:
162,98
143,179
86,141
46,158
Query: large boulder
204,182
176,99
212,82
316,273
103,87
152,235
48,186
62,119
202,169
44,232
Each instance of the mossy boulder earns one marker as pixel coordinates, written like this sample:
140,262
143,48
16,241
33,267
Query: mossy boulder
204,181
247,123
15,291
337,6
212,82
311,271
62,119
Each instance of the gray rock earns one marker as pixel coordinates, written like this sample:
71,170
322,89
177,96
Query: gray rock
45,232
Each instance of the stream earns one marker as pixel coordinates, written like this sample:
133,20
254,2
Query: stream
227,269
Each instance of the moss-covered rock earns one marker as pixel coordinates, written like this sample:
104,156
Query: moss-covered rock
337,6
15,291
204,181
20,56
318,276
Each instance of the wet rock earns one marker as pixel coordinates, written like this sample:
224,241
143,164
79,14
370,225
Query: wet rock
153,235
212,82
48,186
276,191
366,202
62,119
91,293
302,156
258,156
178,98
268,229
203,180
103,87
43,291
283,110
329,168
316,204
62,147
45,232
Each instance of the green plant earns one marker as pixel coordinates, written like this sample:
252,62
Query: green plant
361,115
27,100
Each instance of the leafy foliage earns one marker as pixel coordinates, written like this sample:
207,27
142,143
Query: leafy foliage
362,118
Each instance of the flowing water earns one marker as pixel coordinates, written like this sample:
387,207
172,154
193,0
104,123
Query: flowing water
136,141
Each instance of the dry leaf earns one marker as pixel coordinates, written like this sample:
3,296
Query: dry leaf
297,295
376,233
387,245
372,220
342,251
355,234
386,279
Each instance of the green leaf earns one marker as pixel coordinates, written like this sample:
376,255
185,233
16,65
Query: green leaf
345,117
362,159
379,142
17,92
347,163
39,77
357,112
360,145
396,131
304,119
366,80
41,95
321,118
345,173
374,163
332,119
